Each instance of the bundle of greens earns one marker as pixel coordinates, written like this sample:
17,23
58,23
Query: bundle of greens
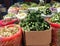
56,18
45,11
47,5
34,22
56,4
29,4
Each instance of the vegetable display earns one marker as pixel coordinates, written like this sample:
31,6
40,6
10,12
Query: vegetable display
8,31
56,4
45,11
29,4
56,18
10,35
19,8
48,11
34,22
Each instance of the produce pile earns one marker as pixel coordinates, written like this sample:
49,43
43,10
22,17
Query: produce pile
46,10
34,22
8,31
55,18
56,4
31,15
18,8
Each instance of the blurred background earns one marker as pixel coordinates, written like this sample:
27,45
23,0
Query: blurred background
5,4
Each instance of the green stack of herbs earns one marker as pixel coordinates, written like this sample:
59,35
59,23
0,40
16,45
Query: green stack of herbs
34,22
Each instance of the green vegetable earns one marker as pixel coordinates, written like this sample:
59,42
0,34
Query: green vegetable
45,10
34,22
56,18
34,5
25,5
48,11
47,5
56,4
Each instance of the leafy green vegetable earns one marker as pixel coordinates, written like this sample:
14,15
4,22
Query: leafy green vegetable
45,10
47,5
34,22
56,4
25,5
33,4
56,18
48,12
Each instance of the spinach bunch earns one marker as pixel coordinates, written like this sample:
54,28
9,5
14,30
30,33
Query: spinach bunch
34,22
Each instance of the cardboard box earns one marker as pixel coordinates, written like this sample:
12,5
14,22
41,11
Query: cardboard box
37,38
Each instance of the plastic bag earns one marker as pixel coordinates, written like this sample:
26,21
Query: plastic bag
7,21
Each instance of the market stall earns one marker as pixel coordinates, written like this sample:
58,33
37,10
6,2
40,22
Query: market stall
34,24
